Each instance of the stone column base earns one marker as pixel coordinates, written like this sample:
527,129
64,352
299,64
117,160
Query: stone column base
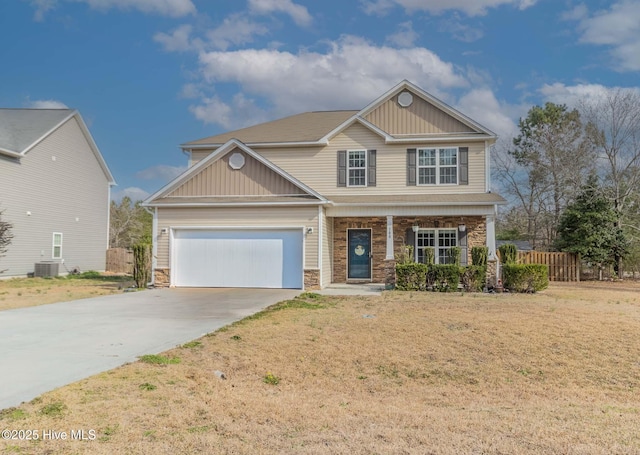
390,273
161,278
311,279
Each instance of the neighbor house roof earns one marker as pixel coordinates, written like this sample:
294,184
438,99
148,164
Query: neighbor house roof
305,127
22,129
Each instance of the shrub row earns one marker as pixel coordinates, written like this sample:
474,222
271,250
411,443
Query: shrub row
414,276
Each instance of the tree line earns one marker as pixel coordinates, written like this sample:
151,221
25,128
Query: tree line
573,179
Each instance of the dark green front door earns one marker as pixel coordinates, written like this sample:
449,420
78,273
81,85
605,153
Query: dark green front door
359,246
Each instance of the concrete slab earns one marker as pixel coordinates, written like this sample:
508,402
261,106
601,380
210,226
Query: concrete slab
45,347
352,289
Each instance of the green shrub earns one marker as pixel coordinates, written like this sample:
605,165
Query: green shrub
411,276
479,255
454,254
142,264
473,277
443,277
525,277
508,253
429,256
405,256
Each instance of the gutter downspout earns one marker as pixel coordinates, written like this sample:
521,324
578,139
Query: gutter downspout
154,245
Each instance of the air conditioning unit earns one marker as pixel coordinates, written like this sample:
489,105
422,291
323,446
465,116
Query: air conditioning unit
43,269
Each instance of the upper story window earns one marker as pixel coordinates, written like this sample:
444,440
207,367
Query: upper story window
438,166
357,167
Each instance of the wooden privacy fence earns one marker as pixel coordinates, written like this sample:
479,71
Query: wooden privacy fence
562,266
119,260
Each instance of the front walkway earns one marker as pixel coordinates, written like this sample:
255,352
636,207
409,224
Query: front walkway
373,289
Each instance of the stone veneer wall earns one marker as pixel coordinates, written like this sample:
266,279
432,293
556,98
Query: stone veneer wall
476,236
311,279
161,278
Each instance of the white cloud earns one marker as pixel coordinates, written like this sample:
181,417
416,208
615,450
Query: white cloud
171,8
42,6
235,29
349,75
161,171
46,104
242,111
574,95
135,194
405,37
482,106
617,27
460,31
469,7
176,41
298,13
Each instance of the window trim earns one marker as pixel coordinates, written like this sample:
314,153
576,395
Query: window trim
54,246
437,167
365,168
436,241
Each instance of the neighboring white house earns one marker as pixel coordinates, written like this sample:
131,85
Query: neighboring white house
328,197
55,191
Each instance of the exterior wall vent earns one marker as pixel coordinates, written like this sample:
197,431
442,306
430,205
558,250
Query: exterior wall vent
43,269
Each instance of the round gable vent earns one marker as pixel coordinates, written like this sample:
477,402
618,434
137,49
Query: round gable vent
236,161
405,99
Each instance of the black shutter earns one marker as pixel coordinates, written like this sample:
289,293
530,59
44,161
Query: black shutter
411,241
463,157
371,168
411,167
464,250
342,168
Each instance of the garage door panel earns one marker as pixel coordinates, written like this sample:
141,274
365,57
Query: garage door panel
249,258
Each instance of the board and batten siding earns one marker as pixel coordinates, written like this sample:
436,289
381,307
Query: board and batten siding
317,166
420,117
220,217
58,186
219,179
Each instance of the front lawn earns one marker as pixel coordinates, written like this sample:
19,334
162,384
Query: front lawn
26,292
419,373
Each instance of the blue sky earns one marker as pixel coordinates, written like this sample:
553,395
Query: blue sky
148,75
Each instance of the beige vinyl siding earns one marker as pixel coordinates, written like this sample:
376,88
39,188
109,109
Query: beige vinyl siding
198,155
316,167
219,179
68,194
419,118
239,217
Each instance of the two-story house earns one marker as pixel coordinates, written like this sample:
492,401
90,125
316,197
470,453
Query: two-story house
54,190
327,197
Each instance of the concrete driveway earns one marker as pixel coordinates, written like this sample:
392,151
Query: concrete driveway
45,347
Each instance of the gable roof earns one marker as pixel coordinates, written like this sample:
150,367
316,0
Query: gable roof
229,146
299,128
317,128
22,129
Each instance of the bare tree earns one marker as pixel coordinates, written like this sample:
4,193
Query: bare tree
129,224
613,128
5,236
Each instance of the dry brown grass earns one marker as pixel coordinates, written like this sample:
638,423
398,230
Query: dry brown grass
552,373
26,292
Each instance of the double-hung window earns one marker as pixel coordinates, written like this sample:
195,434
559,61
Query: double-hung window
56,250
357,167
438,166
438,240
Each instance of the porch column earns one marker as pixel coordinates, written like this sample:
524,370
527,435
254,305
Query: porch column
491,236
390,254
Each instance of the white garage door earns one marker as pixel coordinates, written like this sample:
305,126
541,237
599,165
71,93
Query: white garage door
237,258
